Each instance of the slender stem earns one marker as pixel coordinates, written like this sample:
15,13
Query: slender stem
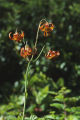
27,70
65,113
43,20
26,84
38,31
37,36
39,54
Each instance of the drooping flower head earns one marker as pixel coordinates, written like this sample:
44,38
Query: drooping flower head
18,37
47,28
25,51
52,54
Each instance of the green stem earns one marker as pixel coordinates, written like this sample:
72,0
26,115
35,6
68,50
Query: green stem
37,36
27,70
38,31
65,113
26,84
39,54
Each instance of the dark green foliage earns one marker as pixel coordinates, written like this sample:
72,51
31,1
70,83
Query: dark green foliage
47,79
42,101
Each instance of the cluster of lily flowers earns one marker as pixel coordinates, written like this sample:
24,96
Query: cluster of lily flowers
26,51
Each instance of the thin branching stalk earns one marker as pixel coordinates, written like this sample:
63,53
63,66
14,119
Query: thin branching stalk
27,70
65,113
37,36
25,90
26,85
38,31
39,54
37,40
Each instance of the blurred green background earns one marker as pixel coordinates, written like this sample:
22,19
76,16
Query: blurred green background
25,15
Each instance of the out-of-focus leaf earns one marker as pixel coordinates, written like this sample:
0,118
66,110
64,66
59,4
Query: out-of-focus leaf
42,94
72,117
57,105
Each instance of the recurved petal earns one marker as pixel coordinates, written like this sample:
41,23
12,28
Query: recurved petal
10,35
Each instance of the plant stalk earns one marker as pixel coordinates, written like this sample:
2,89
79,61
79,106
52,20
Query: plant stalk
39,54
27,70
26,84
38,31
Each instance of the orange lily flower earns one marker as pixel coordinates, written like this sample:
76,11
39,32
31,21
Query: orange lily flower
47,28
52,54
25,51
28,50
17,36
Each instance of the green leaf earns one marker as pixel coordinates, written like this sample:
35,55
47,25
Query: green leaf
59,98
50,117
32,117
60,82
42,94
72,117
10,117
57,105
